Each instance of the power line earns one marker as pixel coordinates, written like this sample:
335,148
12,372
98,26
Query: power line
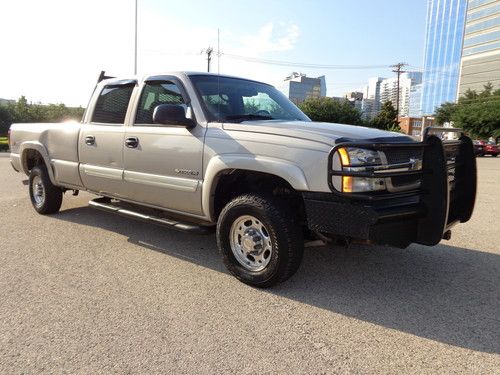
300,64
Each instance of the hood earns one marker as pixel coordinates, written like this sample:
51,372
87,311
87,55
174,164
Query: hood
324,132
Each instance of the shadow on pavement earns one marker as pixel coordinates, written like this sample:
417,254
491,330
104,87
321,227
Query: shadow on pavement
445,293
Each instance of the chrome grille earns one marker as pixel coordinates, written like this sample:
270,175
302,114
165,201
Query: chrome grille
404,155
399,156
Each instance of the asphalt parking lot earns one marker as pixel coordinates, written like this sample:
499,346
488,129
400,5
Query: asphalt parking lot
86,292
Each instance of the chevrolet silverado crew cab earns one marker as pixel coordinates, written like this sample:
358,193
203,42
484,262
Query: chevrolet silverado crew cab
198,151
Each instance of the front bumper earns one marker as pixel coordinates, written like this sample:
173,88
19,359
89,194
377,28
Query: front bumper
445,197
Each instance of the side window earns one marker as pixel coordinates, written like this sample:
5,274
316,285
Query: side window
154,94
112,104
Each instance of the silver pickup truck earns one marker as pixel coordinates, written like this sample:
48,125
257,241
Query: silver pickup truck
200,152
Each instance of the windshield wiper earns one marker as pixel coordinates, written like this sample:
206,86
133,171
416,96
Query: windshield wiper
248,117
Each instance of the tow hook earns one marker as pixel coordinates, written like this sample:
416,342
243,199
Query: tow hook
75,192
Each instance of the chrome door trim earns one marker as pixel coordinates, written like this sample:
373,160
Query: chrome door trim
104,172
176,183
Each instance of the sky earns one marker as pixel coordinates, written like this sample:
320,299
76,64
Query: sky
54,50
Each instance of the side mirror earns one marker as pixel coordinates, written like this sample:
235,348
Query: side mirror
173,115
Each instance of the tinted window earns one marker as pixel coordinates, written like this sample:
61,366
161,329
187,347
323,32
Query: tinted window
236,100
154,94
112,104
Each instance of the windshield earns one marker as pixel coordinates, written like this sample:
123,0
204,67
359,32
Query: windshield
236,100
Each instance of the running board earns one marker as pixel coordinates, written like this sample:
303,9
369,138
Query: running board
104,204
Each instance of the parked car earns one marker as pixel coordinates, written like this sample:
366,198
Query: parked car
196,151
482,148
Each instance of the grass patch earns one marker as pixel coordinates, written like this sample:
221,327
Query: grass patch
4,144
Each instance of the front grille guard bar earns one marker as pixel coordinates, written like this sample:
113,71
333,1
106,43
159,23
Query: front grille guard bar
379,172
444,202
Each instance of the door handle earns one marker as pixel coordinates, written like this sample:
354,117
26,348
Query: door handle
132,142
90,140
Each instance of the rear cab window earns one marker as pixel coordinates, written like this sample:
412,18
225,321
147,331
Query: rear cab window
112,104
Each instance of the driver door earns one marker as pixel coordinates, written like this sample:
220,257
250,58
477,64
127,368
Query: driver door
163,163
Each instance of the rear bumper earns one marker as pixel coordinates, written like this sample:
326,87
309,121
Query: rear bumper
446,196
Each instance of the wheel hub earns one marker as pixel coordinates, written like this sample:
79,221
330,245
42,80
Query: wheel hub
38,191
250,243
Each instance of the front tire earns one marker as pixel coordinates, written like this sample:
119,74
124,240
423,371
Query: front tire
46,198
259,240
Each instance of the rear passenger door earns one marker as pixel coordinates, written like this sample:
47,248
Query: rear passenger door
101,140
163,167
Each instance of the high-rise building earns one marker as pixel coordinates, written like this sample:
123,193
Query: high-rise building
481,47
389,90
443,47
415,101
298,87
371,97
367,108
354,95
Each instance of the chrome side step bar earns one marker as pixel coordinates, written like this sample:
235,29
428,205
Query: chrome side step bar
104,204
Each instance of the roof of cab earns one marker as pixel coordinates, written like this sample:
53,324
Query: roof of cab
129,79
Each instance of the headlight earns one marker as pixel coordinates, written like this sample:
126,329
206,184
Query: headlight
361,156
354,159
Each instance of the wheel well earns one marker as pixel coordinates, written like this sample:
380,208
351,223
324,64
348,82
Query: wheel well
235,182
32,158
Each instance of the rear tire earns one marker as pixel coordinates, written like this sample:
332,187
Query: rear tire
46,198
260,243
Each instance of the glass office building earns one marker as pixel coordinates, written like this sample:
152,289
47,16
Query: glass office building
298,87
481,48
443,49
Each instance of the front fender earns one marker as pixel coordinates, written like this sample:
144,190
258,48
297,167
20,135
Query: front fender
281,168
40,148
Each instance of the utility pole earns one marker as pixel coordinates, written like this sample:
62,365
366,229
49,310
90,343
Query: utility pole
208,51
398,69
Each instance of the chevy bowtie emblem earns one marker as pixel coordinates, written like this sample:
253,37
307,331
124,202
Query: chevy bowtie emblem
415,164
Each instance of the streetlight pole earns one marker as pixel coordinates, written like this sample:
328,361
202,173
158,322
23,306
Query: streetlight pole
135,46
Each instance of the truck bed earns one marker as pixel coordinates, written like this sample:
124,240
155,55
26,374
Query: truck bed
56,142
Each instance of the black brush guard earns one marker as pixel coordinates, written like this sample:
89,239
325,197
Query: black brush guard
424,215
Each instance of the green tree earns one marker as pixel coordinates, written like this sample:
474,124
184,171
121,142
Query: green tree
477,113
331,110
22,111
480,119
468,95
487,91
386,119
445,112
6,118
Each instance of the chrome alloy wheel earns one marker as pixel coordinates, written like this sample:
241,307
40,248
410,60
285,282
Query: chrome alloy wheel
38,190
250,243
